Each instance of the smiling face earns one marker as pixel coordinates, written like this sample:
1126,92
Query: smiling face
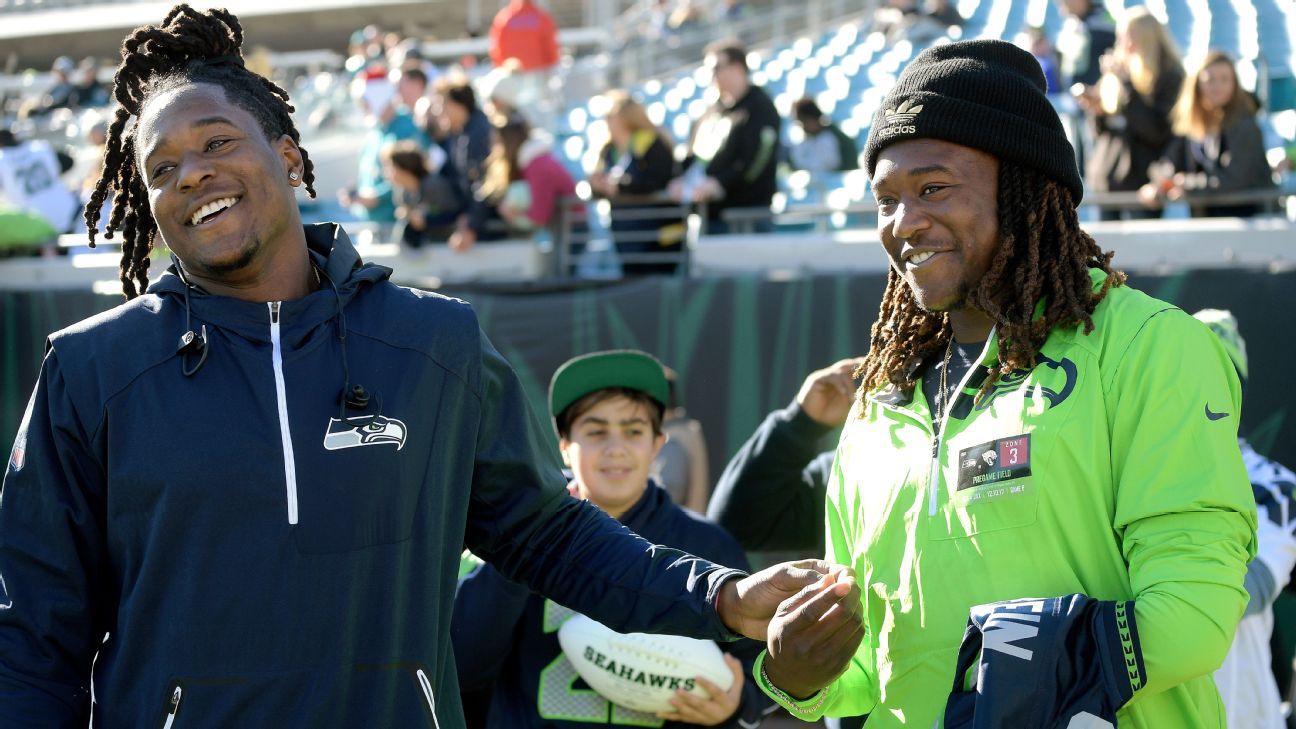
610,448
219,190
938,217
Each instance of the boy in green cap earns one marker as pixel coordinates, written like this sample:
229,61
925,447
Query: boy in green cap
607,409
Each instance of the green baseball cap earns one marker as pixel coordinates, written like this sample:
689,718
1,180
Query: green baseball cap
1225,326
628,368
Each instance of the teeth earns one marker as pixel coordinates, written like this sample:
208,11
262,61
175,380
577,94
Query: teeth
920,258
211,207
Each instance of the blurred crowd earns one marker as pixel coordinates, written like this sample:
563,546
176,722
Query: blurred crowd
471,150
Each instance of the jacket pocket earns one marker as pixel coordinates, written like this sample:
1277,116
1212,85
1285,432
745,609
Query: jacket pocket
362,497
399,694
426,686
1008,505
205,702
993,488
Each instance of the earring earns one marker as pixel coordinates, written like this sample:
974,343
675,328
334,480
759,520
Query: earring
292,176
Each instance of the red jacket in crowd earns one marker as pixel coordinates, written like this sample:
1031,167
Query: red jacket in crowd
525,32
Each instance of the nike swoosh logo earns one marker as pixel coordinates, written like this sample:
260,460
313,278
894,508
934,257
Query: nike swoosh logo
1214,416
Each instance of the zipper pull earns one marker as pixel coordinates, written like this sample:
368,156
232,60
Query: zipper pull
274,312
175,706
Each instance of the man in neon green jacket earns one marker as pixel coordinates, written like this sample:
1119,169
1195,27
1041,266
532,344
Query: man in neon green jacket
1027,427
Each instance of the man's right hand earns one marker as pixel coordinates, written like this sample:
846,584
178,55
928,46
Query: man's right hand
813,636
827,394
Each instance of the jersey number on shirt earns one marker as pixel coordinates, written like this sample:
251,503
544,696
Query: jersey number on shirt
560,700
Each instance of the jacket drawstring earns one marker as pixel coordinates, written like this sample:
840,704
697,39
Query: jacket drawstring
190,342
356,398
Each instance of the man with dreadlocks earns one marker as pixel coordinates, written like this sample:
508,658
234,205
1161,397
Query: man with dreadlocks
1039,487
264,541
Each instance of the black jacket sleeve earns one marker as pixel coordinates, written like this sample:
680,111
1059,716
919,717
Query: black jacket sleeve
53,560
522,520
771,494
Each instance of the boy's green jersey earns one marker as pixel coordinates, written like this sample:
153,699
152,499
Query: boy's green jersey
1111,469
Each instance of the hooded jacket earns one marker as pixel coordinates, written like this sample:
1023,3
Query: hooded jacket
260,556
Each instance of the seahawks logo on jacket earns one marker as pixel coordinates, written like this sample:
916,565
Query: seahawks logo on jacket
365,430
1014,379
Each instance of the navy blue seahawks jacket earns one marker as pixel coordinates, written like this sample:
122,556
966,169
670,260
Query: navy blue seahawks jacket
240,549
1049,663
507,636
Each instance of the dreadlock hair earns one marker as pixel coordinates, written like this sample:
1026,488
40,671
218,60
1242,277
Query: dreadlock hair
1043,254
189,47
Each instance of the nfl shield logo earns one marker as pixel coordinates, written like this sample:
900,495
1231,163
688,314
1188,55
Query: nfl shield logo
18,455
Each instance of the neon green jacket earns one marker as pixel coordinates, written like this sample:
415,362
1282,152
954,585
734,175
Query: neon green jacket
1111,469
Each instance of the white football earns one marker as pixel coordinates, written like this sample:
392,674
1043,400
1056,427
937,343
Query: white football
640,671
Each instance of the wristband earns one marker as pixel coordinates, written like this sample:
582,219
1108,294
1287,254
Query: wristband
807,709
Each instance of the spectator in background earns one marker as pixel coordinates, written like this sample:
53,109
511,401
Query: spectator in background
907,20
60,95
425,201
363,48
389,121
687,16
732,11
1087,33
607,409
1128,110
1037,41
681,467
1245,680
35,205
523,31
944,14
824,148
86,89
505,92
733,149
526,36
90,161
411,86
637,161
1219,147
524,184
465,134
409,54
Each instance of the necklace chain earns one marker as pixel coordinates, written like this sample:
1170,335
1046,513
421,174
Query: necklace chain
942,395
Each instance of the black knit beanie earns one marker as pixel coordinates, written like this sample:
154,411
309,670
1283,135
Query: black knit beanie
984,94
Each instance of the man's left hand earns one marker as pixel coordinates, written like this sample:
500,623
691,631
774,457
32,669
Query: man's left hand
746,605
